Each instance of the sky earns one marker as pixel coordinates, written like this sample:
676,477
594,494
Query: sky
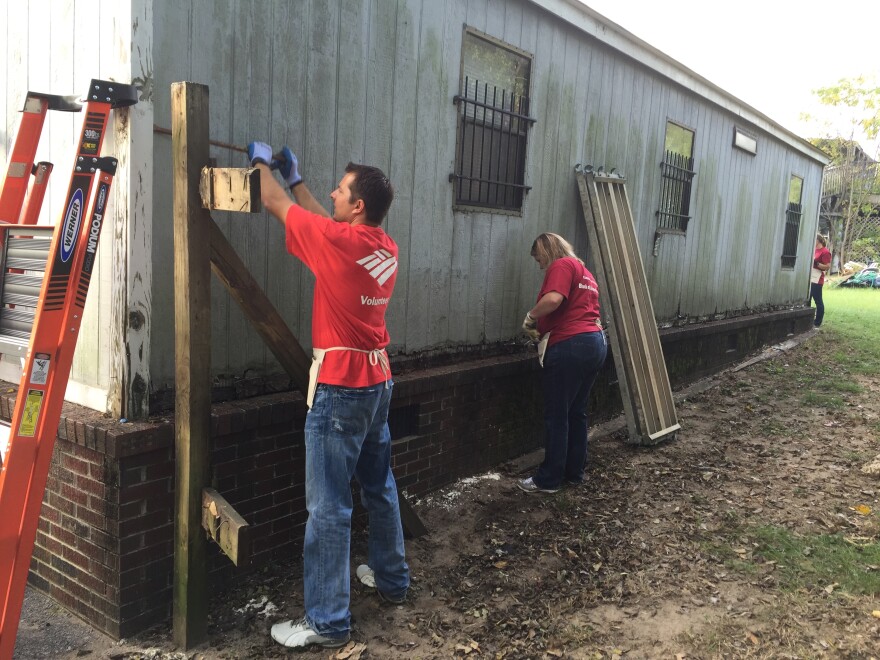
769,53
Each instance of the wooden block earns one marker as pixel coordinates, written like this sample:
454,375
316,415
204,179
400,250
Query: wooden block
231,189
223,524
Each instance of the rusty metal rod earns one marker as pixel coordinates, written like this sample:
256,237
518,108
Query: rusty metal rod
216,143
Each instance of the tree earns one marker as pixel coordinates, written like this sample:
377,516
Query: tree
851,196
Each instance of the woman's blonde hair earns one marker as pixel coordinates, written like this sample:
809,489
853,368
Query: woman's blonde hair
551,247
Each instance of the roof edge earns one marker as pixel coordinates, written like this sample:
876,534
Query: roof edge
613,35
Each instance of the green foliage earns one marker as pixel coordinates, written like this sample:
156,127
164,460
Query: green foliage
488,63
867,248
862,96
679,140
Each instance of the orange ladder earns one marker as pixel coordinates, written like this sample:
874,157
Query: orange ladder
49,330
21,159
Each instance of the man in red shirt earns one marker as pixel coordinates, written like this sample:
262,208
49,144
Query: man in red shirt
821,265
346,432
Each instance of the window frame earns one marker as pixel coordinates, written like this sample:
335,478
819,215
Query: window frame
456,177
793,217
682,215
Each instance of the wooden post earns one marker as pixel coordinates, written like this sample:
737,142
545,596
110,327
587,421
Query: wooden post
192,348
242,287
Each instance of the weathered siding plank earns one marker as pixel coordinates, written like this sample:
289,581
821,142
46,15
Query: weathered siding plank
512,310
288,127
173,41
402,170
252,61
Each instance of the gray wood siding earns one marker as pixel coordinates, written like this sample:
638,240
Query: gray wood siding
373,81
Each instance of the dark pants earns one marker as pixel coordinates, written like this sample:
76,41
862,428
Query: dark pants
570,369
816,294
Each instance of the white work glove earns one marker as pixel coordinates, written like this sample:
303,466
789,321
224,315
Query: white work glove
530,327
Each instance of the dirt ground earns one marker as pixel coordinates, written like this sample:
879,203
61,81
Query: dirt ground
656,556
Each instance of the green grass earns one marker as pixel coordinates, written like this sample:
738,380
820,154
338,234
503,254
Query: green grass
847,348
816,399
816,562
852,326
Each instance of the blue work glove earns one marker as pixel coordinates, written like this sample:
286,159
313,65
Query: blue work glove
288,166
259,152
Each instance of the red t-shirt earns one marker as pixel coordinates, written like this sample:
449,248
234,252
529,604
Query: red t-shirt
579,312
355,269
821,256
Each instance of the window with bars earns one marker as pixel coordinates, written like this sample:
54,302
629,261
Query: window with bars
793,213
493,123
677,173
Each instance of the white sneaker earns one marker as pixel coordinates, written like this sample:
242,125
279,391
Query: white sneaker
368,578
529,486
299,634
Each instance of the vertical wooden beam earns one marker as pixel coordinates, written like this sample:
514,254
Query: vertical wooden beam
129,271
192,348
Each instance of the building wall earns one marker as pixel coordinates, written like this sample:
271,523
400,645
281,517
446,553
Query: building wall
374,81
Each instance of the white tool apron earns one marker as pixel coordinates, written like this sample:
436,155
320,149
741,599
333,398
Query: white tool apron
377,356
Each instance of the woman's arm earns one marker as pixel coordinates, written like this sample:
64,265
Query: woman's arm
548,304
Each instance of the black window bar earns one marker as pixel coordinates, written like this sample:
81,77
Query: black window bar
490,164
677,173
790,240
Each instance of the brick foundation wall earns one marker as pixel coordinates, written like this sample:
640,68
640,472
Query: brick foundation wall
104,547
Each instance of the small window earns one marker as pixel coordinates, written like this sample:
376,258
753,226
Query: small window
677,171
793,213
493,123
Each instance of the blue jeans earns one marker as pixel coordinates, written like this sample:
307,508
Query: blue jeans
816,294
570,369
346,434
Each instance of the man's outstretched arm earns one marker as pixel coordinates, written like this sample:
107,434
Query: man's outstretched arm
288,165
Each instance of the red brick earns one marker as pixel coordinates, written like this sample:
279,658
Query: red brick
74,464
75,558
132,476
86,453
96,521
144,523
145,491
90,486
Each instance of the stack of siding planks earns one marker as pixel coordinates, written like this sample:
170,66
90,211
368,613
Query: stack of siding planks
626,308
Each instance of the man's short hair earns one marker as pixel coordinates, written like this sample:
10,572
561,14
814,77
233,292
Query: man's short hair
373,187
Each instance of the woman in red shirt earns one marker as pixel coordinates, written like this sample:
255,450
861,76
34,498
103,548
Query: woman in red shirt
568,311
821,264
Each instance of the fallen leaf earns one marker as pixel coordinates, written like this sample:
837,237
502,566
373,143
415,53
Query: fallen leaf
876,614
753,639
862,510
830,588
351,652
500,564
